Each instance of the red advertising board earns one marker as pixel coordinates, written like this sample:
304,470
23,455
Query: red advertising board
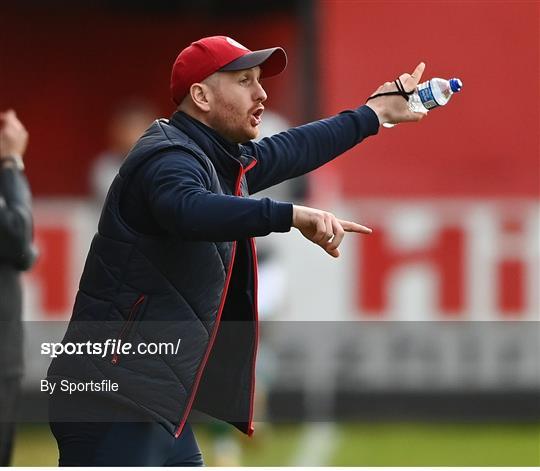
485,142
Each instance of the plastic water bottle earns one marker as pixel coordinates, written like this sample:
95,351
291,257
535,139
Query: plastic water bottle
431,94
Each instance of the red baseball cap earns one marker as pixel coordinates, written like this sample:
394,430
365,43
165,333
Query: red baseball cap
220,53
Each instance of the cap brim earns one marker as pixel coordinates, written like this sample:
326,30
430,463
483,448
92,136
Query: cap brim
272,61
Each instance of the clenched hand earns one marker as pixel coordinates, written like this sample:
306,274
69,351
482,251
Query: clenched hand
13,135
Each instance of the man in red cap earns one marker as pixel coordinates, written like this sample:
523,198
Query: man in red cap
174,259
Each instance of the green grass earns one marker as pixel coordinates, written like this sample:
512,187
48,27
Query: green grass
34,446
438,445
359,444
269,446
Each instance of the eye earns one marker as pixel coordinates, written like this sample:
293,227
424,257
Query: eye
244,80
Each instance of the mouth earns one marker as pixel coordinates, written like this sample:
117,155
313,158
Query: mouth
256,116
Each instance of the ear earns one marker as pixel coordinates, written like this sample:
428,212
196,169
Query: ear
199,93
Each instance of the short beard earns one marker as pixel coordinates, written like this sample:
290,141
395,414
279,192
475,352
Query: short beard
221,124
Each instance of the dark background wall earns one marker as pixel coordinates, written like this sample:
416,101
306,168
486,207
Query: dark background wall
66,66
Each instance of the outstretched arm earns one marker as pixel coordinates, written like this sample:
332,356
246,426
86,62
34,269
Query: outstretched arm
302,149
177,189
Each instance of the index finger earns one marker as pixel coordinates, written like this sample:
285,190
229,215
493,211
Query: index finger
349,226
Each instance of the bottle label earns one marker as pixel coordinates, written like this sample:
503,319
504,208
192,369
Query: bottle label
426,95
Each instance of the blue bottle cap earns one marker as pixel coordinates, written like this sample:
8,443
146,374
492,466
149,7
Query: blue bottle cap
455,84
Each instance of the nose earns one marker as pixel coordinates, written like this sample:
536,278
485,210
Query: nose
260,94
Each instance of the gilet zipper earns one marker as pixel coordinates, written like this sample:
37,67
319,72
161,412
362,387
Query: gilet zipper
216,324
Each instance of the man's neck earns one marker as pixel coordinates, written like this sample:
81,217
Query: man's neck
231,147
193,114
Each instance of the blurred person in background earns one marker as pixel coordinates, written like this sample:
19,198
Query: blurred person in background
126,125
17,254
175,244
